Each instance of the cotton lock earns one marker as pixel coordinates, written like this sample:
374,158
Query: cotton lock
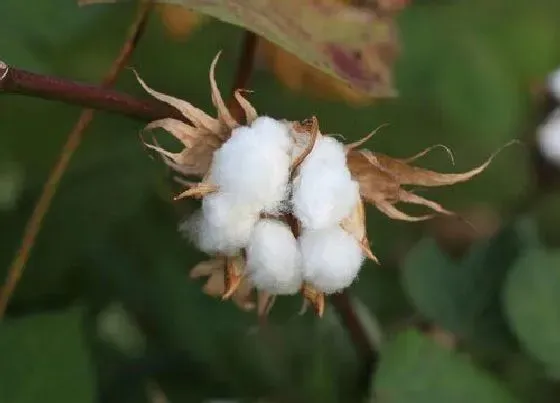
273,258
331,258
324,192
254,165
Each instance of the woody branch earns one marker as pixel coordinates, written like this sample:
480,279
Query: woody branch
21,82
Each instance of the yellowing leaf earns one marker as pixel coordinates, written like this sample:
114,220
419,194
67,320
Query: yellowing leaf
301,77
357,45
179,21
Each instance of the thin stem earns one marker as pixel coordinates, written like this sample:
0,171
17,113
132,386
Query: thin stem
243,73
21,82
367,353
33,226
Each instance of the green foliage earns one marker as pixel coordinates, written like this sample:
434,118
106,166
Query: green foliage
531,301
44,358
416,369
464,297
109,244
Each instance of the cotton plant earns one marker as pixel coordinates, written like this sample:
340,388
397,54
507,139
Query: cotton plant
282,204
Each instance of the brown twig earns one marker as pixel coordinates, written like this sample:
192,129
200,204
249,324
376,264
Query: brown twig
12,79
243,73
21,82
366,352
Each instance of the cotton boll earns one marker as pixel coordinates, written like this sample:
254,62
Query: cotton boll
548,138
221,226
254,165
273,258
331,258
554,84
324,192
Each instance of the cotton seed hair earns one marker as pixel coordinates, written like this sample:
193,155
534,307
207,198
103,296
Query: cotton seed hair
259,178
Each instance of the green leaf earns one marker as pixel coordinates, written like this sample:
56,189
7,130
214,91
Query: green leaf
415,369
463,297
45,359
477,91
531,303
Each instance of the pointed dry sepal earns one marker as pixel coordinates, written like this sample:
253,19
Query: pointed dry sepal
364,139
381,177
203,135
250,111
198,190
215,270
235,267
407,174
355,225
316,298
224,115
197,116
306,135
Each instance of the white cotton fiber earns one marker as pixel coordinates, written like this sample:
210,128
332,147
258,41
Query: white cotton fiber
548,138
273,258
331,258
222,225
254,164
327,150
324,192
554,84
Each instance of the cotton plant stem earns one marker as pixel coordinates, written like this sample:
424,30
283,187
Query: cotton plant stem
244,71
22,82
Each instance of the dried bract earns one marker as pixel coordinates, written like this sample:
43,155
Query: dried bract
283,204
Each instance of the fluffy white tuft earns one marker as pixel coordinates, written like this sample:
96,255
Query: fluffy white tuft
554,84
273,258
331,258
222,225
548,137
324,192
254,164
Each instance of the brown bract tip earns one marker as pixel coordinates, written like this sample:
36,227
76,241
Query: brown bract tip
381,179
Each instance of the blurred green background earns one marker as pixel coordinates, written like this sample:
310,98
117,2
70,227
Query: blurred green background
105,309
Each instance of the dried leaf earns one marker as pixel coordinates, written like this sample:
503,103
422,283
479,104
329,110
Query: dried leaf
299,76
357,45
